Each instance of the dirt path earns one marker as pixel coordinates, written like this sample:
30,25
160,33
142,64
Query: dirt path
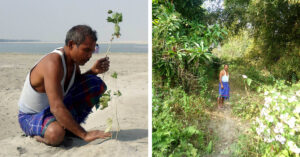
227,128
224,125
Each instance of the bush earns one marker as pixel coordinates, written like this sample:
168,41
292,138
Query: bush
182,48
176,122
277,128
279,120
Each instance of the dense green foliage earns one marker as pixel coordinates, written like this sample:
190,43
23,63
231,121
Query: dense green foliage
181,48
189,9
274,26
262,47
183,65
266,102
178,120
236,47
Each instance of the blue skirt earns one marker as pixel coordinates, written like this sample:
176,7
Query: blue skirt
83,95
225,91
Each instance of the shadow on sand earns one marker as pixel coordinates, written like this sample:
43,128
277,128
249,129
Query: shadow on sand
124,135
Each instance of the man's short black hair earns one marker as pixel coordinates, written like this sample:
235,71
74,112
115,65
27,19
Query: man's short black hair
78,34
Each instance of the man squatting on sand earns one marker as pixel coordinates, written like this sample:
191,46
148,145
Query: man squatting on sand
57,97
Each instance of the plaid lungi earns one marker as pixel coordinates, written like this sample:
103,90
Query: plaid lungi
83,95
225,91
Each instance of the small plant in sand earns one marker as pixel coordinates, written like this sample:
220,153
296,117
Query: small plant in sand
115,18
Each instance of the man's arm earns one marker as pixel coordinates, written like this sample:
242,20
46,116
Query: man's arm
52,78
220,78
90,72
228,78
101,66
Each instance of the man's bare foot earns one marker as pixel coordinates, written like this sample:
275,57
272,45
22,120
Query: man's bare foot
44,140
221,107
41,139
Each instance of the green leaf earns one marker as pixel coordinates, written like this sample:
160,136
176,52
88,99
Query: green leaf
109,19
209,148
249,81
104,100
191,130
118,93
114,75
259,89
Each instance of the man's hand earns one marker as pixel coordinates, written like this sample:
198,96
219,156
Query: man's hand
222,86
95,134
101,66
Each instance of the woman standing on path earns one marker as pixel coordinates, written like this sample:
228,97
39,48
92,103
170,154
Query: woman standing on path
223,86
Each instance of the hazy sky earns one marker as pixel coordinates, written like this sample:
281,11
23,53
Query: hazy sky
213,5
50,20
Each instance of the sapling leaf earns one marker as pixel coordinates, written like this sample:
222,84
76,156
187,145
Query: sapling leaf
114,75
118,93
120,17
115,18
109,19
117,28
104,102
109,122
106,97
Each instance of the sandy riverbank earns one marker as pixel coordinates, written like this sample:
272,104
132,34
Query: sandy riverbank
132,107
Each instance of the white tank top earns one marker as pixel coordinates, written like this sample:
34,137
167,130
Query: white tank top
32,101
225,78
